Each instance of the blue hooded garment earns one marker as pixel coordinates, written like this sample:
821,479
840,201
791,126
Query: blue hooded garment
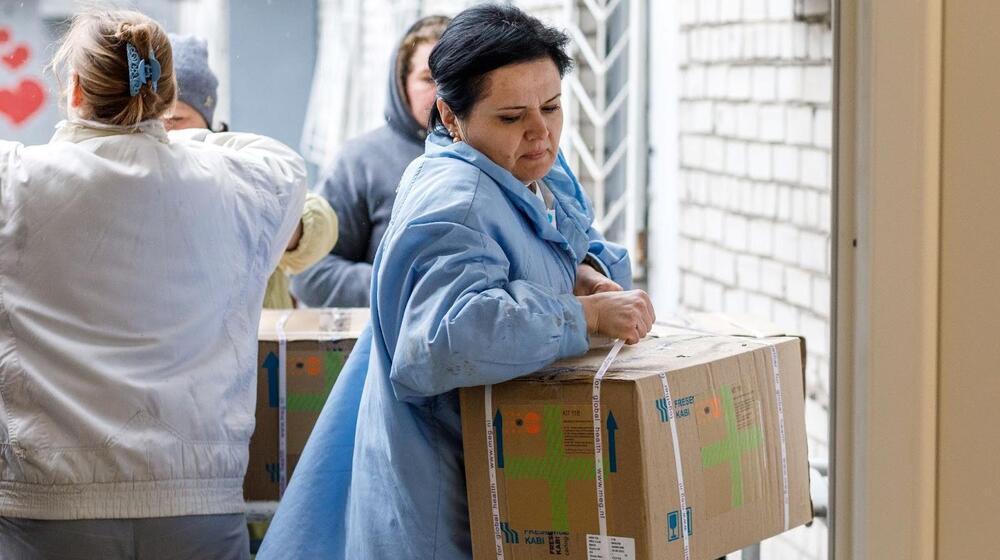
471,286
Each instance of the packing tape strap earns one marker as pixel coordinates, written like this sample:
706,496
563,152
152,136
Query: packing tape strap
775,369
279,328
677,462
602,515
491,457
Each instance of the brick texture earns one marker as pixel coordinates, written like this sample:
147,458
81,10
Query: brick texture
755,142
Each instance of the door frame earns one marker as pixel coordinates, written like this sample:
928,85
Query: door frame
886,282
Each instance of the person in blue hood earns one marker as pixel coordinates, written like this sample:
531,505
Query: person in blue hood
490,269
361,185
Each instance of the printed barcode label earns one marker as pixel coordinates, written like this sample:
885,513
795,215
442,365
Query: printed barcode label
619,548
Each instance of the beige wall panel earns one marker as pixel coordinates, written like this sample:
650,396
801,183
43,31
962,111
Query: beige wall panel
969,411
894,184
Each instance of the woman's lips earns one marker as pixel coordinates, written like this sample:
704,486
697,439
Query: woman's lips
536,155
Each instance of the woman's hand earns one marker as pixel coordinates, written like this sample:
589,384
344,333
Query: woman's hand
589,282
626,315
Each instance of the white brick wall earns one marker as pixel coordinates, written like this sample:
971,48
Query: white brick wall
756,126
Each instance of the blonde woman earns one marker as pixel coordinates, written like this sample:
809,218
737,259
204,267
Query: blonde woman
133,265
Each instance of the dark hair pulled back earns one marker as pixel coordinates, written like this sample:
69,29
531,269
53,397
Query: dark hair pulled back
482,39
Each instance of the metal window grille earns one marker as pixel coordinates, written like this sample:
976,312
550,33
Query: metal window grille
605,99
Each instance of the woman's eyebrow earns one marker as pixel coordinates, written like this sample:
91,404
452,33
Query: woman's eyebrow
550,100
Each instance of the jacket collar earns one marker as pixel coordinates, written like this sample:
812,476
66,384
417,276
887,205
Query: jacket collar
573,214
79,130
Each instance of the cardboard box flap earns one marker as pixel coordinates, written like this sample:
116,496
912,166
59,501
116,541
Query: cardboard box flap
725,324
668,349
314,324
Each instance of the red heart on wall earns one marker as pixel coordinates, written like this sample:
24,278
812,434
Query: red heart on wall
21,103
4,34
16,58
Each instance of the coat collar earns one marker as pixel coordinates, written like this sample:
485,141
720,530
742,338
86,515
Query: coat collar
573,213
79,130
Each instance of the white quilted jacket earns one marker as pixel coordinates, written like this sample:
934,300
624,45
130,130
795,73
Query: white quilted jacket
132,270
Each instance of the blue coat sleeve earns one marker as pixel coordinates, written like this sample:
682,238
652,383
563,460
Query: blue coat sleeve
612,257
464,323
342,278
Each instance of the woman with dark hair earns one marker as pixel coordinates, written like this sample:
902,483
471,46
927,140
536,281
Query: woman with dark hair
490,269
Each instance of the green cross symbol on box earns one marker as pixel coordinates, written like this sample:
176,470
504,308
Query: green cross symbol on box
554,467
731,449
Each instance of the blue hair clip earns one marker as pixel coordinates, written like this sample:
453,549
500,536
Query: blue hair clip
141,71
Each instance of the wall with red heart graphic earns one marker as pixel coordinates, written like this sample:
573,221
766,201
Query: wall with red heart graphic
22,97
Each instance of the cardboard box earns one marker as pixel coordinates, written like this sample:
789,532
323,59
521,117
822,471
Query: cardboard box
317,343
723,420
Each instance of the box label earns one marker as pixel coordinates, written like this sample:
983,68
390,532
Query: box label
556,542
619,548
682,408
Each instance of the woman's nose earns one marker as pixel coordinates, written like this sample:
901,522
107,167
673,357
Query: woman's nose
536,127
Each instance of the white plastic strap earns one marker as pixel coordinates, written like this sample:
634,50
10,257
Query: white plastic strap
491,457
776,371
781,428
677,462
279,327
602,516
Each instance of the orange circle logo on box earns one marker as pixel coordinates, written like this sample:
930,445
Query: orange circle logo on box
314,366
710,407
528,423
